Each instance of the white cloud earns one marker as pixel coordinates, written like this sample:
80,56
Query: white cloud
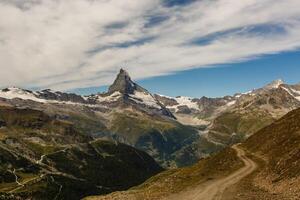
67,44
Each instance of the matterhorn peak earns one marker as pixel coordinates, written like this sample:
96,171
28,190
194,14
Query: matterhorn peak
124,84
123,71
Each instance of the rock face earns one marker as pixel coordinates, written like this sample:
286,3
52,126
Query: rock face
60,96
124,84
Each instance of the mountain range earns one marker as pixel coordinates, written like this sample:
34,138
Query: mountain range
175,131
53,143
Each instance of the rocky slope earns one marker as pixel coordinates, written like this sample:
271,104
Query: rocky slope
45,158
279,147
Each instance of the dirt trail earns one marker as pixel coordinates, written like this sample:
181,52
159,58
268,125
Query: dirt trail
213,190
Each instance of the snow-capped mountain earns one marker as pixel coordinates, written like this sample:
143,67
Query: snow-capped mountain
123,92
44,96
233,118
189,105
14,92
274,85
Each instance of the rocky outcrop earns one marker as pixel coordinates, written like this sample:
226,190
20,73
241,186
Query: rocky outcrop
60,96
124,84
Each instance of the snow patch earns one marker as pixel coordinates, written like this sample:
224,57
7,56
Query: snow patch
231,103
111,98
251,93
275,84
12,93
161,95
183,101
293,92
287,90
296,91
187,101
145,98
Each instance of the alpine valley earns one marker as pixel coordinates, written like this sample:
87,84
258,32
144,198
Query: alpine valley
56,145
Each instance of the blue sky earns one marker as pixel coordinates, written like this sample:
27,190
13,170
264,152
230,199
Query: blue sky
66,45
224,79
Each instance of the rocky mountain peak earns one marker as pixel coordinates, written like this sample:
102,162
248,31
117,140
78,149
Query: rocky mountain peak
124,84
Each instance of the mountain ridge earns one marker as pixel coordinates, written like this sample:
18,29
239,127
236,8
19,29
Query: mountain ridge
130,114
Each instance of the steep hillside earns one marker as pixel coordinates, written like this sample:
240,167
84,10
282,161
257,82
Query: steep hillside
279,142
45,158
279,145
273,150
175,181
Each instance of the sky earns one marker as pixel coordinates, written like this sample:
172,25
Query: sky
172,47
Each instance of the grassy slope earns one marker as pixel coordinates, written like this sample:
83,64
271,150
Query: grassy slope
242,124
133,125
280,144
174,181
276,148
161,138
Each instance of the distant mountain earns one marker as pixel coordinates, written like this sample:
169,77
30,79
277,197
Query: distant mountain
231,119
45,158
44,96
124,92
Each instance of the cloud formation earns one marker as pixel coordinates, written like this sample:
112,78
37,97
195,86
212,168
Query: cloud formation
67,44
